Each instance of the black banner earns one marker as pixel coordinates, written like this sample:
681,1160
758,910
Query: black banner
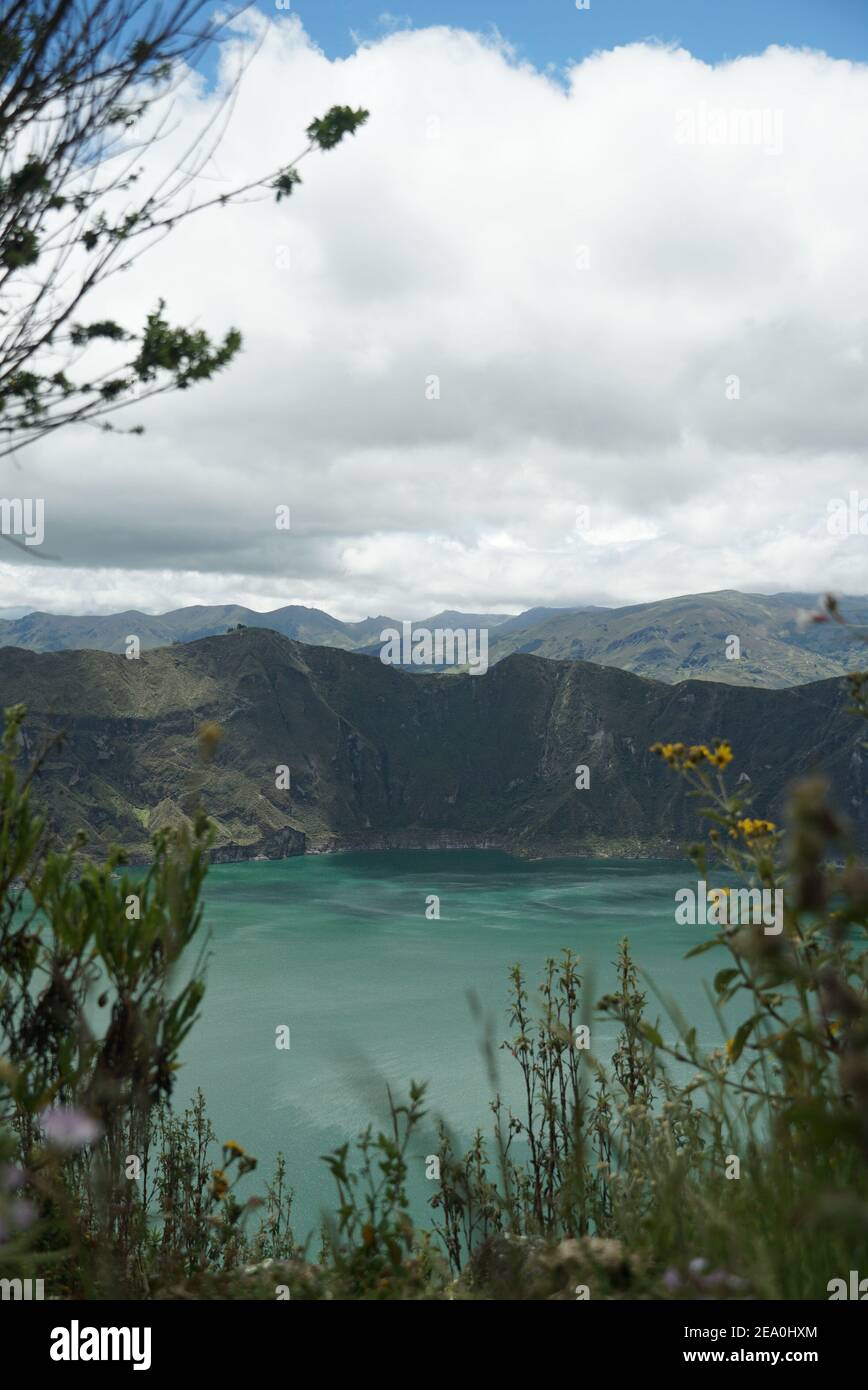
223,1339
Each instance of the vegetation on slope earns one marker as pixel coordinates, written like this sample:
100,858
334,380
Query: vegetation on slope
379,759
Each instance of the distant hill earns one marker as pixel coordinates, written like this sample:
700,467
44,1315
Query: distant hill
50,632
380,759
671,639
686,638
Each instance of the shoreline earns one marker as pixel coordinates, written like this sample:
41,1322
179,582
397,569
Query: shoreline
530,851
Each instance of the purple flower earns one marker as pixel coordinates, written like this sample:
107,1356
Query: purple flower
23,1214
11,1177
69,1130
16,1217
698,1266
672,1280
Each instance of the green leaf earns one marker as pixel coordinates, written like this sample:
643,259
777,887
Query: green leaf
723,978
742,1034
328,130
704,946
651,1034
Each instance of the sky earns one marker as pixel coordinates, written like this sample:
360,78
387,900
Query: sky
554,33
579,316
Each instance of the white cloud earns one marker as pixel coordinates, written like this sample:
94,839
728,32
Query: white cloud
582,283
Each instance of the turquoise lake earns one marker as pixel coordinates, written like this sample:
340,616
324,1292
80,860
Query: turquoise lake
338,948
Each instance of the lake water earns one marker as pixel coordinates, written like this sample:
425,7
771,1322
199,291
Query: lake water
339,949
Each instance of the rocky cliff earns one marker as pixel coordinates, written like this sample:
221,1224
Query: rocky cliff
379,758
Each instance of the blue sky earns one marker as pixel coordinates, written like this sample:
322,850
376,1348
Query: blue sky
554,31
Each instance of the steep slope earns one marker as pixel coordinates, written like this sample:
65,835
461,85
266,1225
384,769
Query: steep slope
379,758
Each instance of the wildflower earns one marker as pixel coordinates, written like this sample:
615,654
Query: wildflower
805,616
755,829
672,1280
685,759
827,607
219,1185
721,756
16,1218
69,1130
11,1177
234,1149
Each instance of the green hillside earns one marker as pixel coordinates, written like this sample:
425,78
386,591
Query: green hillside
380,758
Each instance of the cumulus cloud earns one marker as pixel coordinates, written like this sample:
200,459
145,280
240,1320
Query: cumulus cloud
639,291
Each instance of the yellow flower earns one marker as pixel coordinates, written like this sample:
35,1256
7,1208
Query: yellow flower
685,759
233,1148
751,829
219,1185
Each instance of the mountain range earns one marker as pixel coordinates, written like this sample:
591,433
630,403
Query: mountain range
670,640
378,758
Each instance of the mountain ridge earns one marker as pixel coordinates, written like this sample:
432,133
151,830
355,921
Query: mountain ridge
382,759
685,637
